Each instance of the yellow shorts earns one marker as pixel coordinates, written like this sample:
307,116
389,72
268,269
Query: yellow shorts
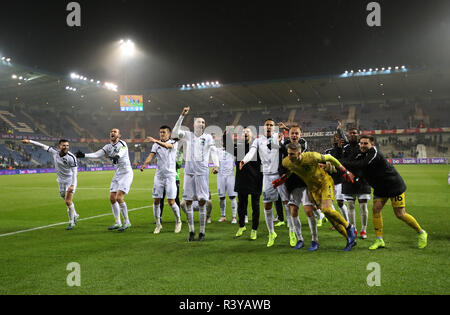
326,192
397,201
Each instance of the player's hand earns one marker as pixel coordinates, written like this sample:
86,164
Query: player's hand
25,141
281,125
79,154
280,181
115,159
215,170
185,111
339,124
142,167
341,143
150,139
348,176
330,168
241,165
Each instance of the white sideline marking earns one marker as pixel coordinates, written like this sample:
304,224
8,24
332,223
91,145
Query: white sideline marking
82,219
61,223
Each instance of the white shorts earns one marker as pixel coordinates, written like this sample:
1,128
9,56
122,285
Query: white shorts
270,194
168,184
121,182
338,192
299,196
63,187
196,185
359,197
225,186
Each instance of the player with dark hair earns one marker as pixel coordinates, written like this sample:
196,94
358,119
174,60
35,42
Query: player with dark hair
165,150
267,145
66,171
354,191
387,184
117,151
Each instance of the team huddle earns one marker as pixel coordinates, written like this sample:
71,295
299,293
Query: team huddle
281,168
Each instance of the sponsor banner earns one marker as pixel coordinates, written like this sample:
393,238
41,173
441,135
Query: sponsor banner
418,161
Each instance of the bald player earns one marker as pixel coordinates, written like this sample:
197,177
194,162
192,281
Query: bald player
117,152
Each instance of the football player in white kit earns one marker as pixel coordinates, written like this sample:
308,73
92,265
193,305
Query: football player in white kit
165,150
199,148
117,151
66,171
267,145
225,184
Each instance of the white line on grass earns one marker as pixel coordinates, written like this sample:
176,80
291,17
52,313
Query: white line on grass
83,219
61,223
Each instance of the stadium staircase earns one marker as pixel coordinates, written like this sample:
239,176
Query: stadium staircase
81,132
237,118
36,123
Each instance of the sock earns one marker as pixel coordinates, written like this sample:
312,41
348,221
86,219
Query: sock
233,207
116,212
337,220
313,227
202,217
287,214
71,214
297,227
409,219
157,213
377,219
364,209
208,208
344,212
190,217
351,212
124,210
223,207
319,214
176,211
269,220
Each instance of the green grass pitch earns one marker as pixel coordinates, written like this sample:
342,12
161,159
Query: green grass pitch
139,262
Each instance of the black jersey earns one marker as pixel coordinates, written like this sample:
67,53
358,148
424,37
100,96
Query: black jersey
381,175
349,153
335,152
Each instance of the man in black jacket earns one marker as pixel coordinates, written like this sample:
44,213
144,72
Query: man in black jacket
359,190
248,182
337,177
387,184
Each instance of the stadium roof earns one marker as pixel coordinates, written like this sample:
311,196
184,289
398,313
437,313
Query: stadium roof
32,87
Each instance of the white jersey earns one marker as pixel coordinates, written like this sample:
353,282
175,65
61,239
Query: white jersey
65,166
226,163
166,164
198,150
119,149
268,149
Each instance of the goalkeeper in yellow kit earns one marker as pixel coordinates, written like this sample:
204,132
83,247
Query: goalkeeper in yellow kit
320,185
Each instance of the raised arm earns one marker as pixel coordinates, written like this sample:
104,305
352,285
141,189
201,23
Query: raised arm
163,144
177,132
38,144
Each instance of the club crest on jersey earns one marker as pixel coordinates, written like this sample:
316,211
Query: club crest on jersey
306,168
202,141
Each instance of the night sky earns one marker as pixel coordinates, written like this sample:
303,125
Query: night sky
191,41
